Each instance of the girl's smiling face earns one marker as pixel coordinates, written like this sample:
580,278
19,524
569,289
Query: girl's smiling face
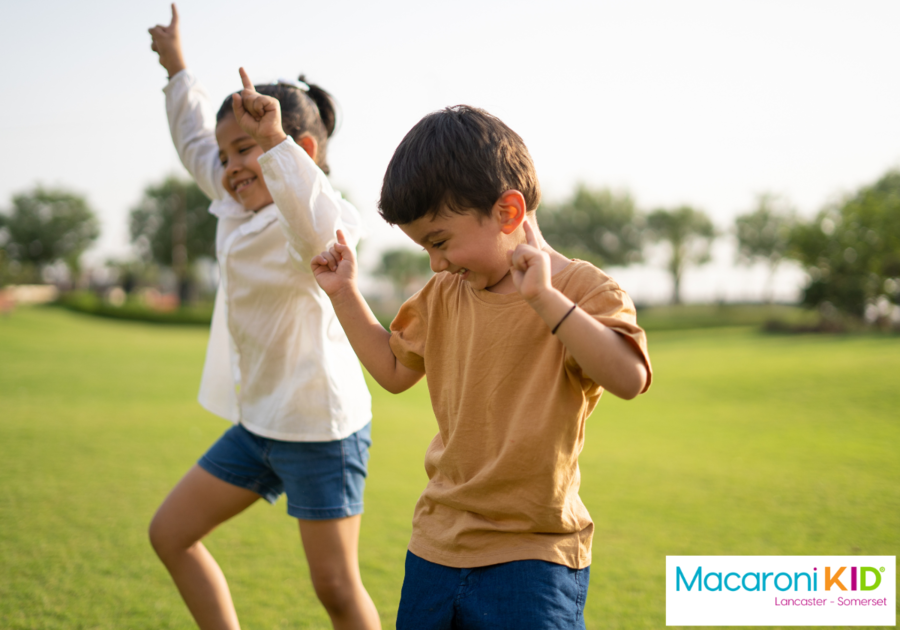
242,177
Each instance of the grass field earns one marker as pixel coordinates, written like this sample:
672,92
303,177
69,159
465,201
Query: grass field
746,444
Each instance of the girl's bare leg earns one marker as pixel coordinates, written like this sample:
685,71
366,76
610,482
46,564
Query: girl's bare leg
331,550
196,505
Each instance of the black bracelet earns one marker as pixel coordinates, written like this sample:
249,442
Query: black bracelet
569,312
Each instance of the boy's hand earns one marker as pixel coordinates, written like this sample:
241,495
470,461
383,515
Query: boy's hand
258,115
167,42
530,266
335,270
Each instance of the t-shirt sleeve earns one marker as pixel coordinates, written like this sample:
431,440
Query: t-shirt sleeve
606,302
409,330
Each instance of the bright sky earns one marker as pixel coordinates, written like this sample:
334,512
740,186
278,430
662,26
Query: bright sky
702,102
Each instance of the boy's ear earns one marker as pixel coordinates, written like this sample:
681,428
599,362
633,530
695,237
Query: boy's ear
511,209
309,144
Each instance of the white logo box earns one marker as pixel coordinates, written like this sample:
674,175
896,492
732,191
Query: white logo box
781,591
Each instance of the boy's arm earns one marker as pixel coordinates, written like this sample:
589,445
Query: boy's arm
603,354
335,271
191,120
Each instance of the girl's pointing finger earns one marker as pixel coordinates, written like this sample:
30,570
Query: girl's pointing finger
245,79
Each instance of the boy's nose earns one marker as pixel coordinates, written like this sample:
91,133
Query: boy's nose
438,263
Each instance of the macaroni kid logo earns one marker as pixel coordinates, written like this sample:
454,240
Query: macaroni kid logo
781,590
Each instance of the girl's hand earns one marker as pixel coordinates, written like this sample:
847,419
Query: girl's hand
530,266
258,115
335,270
167,42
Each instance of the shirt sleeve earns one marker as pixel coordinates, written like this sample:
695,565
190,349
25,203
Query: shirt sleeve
409,330
310,210
192,124
607,303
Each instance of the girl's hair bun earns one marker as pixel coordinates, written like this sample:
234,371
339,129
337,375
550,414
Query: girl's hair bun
325,103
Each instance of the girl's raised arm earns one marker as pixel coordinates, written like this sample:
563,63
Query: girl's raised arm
167,43
310,210
191,120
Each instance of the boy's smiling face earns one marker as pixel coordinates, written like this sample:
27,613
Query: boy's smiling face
471,244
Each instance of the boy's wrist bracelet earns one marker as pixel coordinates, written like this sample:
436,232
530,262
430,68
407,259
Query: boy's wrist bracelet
569,312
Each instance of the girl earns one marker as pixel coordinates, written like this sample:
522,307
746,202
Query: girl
278,363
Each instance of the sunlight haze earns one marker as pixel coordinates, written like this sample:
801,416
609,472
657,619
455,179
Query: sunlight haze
705,103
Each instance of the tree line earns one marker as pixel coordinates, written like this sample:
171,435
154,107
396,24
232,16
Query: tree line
850,249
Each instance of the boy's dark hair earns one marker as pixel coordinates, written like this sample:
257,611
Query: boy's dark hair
312,112
460,158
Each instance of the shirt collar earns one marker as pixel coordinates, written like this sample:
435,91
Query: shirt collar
228,208
260,219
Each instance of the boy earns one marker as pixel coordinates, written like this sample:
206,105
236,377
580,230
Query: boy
518,343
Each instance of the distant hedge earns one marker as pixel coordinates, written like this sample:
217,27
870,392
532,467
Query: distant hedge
92,304
689,316
772,318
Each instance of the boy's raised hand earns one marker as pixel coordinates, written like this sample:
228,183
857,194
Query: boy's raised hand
335,269
167,43
529,265
257,114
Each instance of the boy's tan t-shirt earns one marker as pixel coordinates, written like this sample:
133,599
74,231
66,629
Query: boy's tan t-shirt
511,404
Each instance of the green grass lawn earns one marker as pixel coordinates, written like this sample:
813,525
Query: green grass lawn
746,444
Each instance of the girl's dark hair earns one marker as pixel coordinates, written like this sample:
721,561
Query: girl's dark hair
313,112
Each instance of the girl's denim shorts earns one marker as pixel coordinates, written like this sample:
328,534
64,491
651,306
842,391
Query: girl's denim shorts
323,480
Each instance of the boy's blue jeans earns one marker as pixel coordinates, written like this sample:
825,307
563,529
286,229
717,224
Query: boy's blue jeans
521,595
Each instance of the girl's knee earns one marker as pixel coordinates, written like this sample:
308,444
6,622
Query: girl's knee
165,537
157,533
336,592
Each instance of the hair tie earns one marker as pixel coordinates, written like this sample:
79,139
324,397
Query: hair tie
300,85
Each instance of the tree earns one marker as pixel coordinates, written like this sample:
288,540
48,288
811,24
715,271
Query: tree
689,232
47,225
403,267
764,234
851,250
602,226
172,226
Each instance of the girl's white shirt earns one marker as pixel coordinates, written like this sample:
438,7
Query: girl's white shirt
278,361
